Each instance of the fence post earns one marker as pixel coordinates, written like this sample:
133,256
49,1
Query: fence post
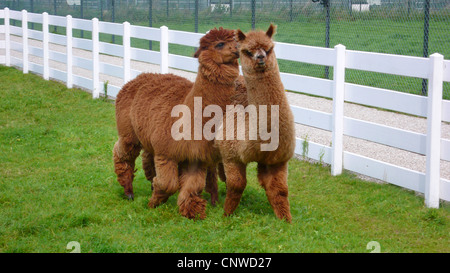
126,52
196,17
45,45
25,41
434,118
7,39
164,50
150,20
81,15
69,50
326,5
95,60
253,7
426,32
338,110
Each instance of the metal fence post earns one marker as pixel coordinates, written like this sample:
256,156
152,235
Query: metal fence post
167,8
196,16
101,10
231,8
32,10
426,27
434,118
327,32
150,20
291,16
338,111
326,6
54,12
113,18
253,14
81,15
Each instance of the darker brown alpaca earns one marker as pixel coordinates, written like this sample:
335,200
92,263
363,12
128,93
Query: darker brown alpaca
144,121
264,87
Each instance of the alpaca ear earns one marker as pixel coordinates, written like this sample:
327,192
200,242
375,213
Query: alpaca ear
271,31
240,35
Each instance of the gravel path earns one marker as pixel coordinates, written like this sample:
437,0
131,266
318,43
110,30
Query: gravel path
380,152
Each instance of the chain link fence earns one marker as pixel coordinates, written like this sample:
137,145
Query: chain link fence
406,27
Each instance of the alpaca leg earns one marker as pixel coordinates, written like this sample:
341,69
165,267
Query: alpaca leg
211,184
273,178
148,164
192,182
221,172
236,183
125,153
165,183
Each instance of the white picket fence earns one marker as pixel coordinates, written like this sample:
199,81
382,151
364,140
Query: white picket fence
433,107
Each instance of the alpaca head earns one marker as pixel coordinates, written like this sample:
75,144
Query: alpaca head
218,46
256,50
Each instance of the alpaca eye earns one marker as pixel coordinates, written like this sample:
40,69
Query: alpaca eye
248,53
220,45
269,51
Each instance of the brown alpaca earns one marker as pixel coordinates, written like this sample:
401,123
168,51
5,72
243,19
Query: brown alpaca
264,88
144,121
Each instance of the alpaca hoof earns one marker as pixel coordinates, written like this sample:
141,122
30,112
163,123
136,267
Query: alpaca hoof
288,219
152,204
130,196
227,214
214,200
194,208
158,197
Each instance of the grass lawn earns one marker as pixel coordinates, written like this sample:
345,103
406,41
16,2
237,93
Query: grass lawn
57,185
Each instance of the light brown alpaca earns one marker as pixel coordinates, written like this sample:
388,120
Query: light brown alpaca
144,121
264,88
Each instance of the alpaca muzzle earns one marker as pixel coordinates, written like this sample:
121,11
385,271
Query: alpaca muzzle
261,64
260,59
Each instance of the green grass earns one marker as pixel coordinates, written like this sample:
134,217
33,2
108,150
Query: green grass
57,185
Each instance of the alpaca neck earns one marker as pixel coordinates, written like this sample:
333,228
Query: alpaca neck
224,74
265,88
214,84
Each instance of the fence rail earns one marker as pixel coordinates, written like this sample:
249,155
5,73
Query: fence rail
433,107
